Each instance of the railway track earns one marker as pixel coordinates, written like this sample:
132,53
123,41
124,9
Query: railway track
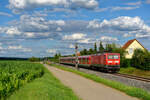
121,75
133,77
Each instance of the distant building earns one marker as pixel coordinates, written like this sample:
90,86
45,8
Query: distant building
130,46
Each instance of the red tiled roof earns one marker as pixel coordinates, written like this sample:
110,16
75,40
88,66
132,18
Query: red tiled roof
128,44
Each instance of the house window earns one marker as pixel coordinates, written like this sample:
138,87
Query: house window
130,50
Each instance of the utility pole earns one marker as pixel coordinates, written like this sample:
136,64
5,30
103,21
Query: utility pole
76,52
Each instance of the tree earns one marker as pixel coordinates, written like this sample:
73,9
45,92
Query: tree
95,48
141,59
56,56
34,59
85,52
59,54
111,47
101,48
91,51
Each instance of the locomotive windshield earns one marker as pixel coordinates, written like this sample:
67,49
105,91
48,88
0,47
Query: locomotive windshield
113,57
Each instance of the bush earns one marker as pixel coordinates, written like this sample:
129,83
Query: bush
34,59
125,62
141,59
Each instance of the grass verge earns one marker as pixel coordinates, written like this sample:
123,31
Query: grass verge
45,88
135,71
131,91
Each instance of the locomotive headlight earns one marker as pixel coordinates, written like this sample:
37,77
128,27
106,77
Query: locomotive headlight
109,61
116,61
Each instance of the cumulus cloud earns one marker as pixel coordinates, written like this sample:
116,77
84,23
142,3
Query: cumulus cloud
123,23
71,46
21,5
53,51
108,38
78,37
148,1
19,48
13,31
85,40
134,3
1,48
123,8
29,23
142,35
5,14
88,4
75,36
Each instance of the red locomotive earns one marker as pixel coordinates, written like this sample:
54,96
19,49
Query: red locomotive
109,62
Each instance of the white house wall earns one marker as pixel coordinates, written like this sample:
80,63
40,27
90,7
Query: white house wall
130,50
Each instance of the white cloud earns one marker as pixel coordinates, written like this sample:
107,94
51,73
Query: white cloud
58,29
128,26
15,47
75,36
142,35
13,31
52,51
127,35
20,48
134,3
89,4
39,24
123,23
108,38
30,34
72,46
123,8
85,40
58,22
5,14
21,5
148,1
1,48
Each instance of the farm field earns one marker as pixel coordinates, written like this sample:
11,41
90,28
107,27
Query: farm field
22,80
15,74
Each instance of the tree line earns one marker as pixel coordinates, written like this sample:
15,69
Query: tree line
140,59
101,49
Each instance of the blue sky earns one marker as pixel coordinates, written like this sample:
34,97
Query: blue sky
45,27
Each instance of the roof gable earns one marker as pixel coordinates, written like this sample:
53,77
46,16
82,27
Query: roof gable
130,42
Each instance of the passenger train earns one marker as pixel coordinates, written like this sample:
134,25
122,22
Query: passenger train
109,62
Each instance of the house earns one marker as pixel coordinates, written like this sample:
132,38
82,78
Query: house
130,46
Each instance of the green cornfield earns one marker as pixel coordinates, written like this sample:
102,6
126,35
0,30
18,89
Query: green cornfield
14,74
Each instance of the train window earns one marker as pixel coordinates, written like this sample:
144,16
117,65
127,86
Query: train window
116,57
110,56
113,57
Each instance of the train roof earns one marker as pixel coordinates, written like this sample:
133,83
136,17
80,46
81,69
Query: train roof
86,56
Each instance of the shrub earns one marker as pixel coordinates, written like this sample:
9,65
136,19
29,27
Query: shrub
125,62
34,59
141,59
